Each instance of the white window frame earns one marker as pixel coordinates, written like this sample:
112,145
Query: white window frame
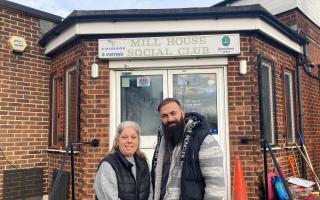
269,65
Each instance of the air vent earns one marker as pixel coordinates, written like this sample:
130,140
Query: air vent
23,184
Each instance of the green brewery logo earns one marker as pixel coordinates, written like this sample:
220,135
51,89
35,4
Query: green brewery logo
225,41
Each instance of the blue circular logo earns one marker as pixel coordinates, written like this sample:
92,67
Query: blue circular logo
226,41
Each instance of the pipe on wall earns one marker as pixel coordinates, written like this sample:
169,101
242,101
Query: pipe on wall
301,125
304,65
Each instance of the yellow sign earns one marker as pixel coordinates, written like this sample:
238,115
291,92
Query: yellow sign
17,43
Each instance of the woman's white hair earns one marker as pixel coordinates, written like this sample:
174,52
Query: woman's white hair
120,128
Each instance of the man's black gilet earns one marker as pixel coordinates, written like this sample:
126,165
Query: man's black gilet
192,182
130,188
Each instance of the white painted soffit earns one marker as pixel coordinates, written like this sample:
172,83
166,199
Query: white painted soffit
177,26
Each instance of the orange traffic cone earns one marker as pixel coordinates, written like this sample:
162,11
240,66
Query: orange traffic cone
239,184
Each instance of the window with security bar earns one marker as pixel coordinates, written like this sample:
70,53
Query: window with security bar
267,100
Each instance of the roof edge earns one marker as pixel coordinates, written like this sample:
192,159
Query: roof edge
224,3
170,14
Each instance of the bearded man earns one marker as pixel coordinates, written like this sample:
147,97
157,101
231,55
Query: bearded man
188,162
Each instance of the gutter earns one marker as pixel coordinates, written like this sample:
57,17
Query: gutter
300,116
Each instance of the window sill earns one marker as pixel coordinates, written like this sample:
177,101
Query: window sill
290,147
273,148
284,147
60,151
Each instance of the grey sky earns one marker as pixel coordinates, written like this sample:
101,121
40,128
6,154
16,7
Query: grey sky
65,7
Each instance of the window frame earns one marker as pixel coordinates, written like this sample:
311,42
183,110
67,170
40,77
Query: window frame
293,100
267,62
62,134
66,105
55,106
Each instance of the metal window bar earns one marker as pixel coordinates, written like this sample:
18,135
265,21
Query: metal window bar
93,143
59,174
274,159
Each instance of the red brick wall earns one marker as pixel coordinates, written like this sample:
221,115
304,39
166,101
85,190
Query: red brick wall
94,116
244,106
310,86
244,114
311,94
243,95
24,92
305,26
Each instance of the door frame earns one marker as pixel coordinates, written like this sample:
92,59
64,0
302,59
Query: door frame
219,64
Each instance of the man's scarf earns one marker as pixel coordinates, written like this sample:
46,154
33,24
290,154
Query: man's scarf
174,181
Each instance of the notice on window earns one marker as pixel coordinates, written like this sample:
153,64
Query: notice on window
125,82
143,81
182,81
192,104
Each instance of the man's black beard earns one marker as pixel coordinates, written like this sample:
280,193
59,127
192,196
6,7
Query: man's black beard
174,134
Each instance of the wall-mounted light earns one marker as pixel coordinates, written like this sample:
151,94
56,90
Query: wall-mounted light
243,67
94,70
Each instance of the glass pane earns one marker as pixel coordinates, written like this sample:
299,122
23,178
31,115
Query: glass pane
71,126
268,103
140,96
198,93
53,114
55,111
289,107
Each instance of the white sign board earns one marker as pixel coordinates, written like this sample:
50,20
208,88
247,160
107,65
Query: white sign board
171,46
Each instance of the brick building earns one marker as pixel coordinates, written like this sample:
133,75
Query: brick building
98,68
24,99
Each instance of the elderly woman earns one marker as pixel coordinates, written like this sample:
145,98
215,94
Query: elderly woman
124,173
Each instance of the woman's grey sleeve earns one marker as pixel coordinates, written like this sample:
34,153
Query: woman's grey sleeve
105,184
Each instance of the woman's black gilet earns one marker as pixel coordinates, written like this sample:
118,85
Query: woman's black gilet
130,188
